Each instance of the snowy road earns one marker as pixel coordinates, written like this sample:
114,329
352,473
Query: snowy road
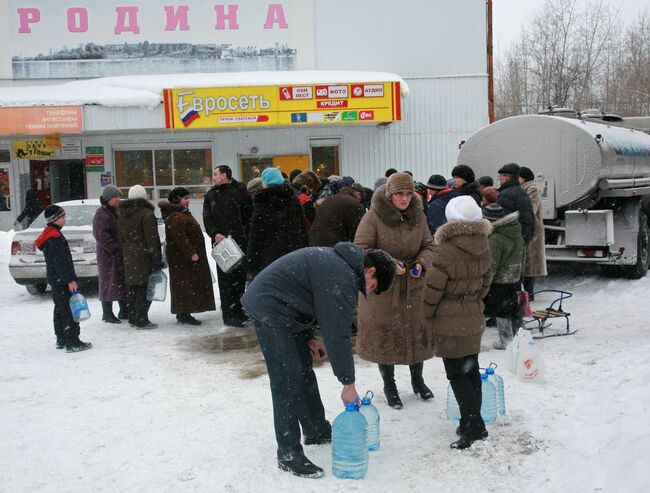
161,411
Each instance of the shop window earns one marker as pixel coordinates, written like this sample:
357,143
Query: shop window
192,166
5,156
134,168
325,158
5,196
252,167
164,174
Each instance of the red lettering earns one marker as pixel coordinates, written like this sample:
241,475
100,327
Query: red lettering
275,14
176,16
127,20
77,20
28,16
222,17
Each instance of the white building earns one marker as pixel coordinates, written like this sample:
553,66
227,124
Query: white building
438,49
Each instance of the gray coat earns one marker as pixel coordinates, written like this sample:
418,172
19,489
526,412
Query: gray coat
315,284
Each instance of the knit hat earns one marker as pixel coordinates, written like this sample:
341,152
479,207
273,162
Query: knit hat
137,192
510,169
437,182
492,212
272,176
53,212
309,180
463,208
465,172
385,269
177,194
110,191
399,182
486,181
526,173
490,194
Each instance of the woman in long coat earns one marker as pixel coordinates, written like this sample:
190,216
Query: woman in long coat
189,271
112,285
391,326
536,253
457,281
137,230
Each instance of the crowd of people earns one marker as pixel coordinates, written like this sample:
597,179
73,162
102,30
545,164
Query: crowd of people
433,263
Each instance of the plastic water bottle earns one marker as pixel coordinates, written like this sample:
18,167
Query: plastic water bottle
350,444
453,411
489,400
157,286
79,307
371,414
497,380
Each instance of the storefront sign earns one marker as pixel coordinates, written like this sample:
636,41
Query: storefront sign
71,147
32,149
261,106
53,141
46,39
95,159
40,120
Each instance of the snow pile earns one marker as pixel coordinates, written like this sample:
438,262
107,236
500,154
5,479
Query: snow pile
146,91
160,410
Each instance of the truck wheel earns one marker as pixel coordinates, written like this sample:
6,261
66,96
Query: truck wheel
640,269
36,289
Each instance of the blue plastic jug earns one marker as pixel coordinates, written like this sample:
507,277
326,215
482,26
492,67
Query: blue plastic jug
497,380
350,444
79,307
157,286
489,400
371,414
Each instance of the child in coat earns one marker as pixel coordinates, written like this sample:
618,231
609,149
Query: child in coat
61,276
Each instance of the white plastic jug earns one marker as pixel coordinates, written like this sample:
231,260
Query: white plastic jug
157,286
227,254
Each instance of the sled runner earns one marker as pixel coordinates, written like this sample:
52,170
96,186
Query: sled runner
544,318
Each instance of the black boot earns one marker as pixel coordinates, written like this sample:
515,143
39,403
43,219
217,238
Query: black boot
123,314
301,466
107,313
187,319
466,441
419,387
60,342
390,389
72,342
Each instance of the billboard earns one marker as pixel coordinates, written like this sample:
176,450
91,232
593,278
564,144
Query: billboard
135,37
41,120
291,105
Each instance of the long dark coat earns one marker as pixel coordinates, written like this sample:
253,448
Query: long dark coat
513,198
277,227
190,282
112,285
391,327
457,281
227,210
336,220
137,231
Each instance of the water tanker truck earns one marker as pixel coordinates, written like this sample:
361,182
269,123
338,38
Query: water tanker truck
595,183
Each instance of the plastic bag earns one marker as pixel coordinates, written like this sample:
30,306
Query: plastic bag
524,357
523,300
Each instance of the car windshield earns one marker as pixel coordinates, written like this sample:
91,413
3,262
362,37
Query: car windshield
75,215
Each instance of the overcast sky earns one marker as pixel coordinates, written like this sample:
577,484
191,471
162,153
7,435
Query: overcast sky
510,15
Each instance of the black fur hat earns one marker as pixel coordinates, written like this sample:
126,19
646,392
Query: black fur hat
385,266
177,194
465,172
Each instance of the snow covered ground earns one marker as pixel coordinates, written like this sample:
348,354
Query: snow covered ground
162,411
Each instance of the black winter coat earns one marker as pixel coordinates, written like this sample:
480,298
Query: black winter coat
277,227
513,198
473,190
336,220
58,259
227,211
317,284
436,216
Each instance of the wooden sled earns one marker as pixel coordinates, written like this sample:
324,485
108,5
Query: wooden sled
543,319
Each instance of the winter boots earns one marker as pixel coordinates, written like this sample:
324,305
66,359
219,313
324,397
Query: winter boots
107,313
390,389
124,310
72,342
301,466
466,441
417,382
506,332
187,319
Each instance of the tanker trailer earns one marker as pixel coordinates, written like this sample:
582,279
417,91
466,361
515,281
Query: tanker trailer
595,183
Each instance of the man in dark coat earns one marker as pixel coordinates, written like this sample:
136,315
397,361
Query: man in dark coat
441,194
112,285
190,280
513,198
227,211
337,218
137,230
311,285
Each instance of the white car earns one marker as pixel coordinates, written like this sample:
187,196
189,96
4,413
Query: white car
27,263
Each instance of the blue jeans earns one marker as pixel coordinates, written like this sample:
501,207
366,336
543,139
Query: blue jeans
294,389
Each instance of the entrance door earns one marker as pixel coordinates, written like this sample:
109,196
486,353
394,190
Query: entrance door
58,181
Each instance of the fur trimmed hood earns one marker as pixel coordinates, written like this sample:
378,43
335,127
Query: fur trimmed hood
463,233
506,220
129,207
167,208
389,215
